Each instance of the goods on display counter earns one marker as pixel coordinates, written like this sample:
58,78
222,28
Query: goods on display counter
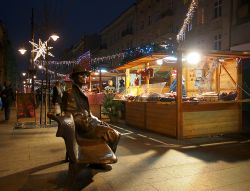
209,100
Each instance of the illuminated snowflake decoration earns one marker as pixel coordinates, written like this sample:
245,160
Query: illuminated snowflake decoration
40,49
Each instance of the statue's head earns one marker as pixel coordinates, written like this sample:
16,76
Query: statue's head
79,74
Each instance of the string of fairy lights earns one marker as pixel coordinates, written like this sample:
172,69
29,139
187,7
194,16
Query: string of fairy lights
97,63
187,20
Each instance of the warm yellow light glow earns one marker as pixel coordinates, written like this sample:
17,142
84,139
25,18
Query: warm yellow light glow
22,51
54,37
170,58
40,66
193,58
159,62
24,74
104,70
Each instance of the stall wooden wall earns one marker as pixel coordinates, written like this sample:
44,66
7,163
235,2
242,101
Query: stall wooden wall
226,83
208,119
135,114
161,118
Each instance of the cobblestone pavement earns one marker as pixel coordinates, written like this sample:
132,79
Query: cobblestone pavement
32,159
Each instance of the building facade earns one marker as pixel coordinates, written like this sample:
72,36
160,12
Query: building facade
2,53
7,59
86,43
220,25
145,22
241,25
216,25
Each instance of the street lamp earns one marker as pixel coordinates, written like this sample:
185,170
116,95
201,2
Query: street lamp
22,51
31,71
54,37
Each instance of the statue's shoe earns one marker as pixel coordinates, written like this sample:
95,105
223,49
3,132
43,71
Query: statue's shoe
106,167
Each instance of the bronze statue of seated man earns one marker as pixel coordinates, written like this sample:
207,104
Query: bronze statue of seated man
87,126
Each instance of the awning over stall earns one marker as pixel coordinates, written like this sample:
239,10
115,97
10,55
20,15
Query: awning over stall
139,61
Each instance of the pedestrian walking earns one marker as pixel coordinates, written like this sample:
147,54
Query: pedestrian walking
7,96
57,97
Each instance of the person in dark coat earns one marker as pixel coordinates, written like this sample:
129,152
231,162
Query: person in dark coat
86,124
8,98
57,97
173,85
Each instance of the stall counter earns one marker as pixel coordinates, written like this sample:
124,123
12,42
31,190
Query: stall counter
198,119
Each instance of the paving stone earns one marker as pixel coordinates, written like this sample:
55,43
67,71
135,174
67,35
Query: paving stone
32,159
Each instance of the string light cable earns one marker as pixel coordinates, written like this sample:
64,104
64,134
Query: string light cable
187,20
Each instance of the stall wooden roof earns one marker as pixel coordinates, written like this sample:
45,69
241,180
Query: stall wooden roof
105,76
139,61
156,56
228,54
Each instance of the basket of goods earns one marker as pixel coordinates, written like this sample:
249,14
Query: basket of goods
168,97
210,96
131,98
153,97
190,99
228,96
119,96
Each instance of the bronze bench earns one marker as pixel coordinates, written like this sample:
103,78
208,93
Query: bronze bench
81,151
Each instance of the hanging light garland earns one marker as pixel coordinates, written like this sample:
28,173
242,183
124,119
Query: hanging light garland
187,20
108,58
95,63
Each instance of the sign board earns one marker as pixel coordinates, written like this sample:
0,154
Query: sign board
25,105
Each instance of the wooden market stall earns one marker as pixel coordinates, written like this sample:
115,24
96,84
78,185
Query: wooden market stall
213,101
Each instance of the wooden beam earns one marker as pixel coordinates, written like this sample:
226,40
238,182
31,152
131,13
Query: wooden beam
179,113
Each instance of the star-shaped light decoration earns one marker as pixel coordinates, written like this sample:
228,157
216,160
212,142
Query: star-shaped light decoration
40,49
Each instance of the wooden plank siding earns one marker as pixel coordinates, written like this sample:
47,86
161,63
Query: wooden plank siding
209,119
135,114
161,118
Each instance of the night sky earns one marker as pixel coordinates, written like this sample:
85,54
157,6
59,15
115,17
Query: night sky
70,19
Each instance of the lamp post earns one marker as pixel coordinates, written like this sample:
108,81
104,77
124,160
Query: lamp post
23,82
54,37
31,69
42,49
